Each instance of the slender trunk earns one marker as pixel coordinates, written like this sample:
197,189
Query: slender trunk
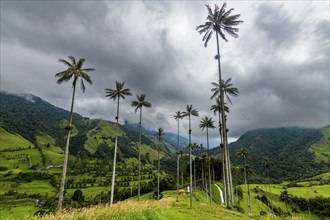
66,153
270,193
177,164
115,156
190,165
209,163
158,175
247,192
230,175
139,177
195,174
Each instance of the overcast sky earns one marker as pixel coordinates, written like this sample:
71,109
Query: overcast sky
280,62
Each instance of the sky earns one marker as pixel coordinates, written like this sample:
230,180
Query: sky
279,63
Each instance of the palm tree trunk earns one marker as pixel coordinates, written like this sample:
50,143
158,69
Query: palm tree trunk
209,163
66,153
195,174
247,192
190,165
158,175
177,164
139,177
114,157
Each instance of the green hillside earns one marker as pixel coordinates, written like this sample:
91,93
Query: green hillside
10,141
321,148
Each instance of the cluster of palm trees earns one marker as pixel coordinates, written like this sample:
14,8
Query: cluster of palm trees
219,21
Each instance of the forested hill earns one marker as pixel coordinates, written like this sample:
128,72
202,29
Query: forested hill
295,153
34,119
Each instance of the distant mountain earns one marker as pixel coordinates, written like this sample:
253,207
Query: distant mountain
295,153
171,138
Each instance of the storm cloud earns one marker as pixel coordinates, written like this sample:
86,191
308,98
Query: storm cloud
280,62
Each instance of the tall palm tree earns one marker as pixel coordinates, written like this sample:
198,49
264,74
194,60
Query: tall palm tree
266,163
190,112
244,154
221,21
178,116
119,92
207,123
227,88
138,104
159,134
76,71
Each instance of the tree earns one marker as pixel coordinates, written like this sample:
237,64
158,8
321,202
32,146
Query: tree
266,163
119,92
178,116
221,21
244,154
76,71
159,134
138,104
227,88
194,147
190,112
207,123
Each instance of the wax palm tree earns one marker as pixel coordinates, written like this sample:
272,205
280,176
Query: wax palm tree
207,123
178,116
194,148
74,71
116,94
190,112
227,88
221,21
244,154
159,134
204,178
138,104
266,163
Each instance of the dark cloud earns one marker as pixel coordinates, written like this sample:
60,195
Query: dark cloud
280,63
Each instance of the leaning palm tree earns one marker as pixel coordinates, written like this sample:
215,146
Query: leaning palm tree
76,71
138,104
159,134
221,21
178,116
119,92
190,112
207,123
244,154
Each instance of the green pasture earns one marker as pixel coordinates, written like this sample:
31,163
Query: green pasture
18,209
45,139
53,158
22,159
13,141
321,148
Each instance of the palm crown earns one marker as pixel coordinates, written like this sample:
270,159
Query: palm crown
119,92
159,134
219,21
178,115
75,70
190,111
140,102
206,122
227,88
217,107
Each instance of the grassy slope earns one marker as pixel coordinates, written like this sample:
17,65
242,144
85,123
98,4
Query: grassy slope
13,141
321,148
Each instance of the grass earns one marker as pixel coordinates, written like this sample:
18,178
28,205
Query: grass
13,141
20,209
321,148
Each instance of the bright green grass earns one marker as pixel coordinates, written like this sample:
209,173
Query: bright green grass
90,192
324,176
36,186
22,159
45,139
53,158
12,141
20,209
321,148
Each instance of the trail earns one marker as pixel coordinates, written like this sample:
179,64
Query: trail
221,194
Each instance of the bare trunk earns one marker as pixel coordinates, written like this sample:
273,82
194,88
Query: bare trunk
66,153
209,164
139,178
158,175
190,165
115,157
247,192
177,163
